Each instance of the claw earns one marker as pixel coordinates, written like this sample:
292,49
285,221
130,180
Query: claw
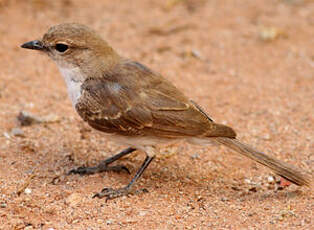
111,193
119,168
82,170
100,168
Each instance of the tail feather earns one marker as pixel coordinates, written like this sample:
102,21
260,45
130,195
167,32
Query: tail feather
282,169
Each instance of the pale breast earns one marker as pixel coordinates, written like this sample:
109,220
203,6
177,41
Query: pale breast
73,79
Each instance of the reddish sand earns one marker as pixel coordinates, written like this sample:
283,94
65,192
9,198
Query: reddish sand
249,64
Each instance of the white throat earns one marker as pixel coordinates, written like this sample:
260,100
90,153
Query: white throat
73,78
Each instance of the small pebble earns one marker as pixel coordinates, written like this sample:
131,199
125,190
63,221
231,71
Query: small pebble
235,188
6,135
195,53
270,33
27,191
199,198
17,132
108,222
142,213
271,180
73,199
195,156
27,119
3,205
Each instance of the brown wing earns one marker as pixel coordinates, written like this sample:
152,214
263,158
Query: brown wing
131,100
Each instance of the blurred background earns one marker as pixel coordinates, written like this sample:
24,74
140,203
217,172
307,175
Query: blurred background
249,64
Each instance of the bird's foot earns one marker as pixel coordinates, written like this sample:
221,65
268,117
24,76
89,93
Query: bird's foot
110,193
98,169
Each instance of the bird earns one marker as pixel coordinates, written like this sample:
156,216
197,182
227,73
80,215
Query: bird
135,106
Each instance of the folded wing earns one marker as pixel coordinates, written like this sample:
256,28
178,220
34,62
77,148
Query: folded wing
131,100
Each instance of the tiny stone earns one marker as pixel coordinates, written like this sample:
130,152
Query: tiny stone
3,205
235,188
108,222
270,179
196,54
6,135
75,221
223,199
199,198
73,199
28,191
266,137
26,118
195,156
142,213
248,181
270,33
17,132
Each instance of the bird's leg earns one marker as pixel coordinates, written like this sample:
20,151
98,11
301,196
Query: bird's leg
110,193
103,166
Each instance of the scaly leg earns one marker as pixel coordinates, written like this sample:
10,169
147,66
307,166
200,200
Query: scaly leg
110,193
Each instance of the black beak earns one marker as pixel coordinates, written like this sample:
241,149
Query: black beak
34,45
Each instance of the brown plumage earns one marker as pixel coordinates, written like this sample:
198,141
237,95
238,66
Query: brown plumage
134,104
131,100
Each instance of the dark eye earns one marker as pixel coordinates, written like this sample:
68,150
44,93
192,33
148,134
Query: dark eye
61,47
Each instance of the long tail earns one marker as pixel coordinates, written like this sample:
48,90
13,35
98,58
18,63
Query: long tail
282,169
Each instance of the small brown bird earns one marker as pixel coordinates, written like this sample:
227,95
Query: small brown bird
134,105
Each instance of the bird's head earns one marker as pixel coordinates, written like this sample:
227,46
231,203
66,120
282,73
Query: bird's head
73,45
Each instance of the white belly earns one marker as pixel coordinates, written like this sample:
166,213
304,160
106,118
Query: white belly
73,79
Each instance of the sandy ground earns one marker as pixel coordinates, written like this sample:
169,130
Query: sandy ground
249,64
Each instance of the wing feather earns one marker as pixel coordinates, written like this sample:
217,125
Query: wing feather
131,100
